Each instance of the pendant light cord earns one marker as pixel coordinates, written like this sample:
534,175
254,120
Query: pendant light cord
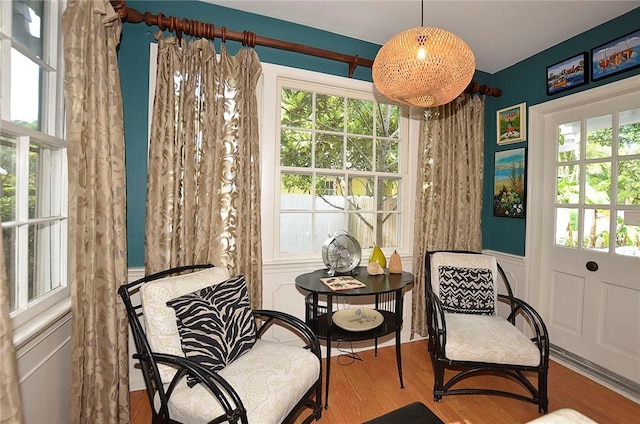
422,14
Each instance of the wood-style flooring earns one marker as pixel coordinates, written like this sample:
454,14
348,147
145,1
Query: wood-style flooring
368,388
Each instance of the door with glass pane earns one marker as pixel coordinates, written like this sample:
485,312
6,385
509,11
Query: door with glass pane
594,260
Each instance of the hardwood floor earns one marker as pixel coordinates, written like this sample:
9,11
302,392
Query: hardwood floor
369,388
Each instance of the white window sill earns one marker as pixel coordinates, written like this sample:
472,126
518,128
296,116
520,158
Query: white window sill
31,329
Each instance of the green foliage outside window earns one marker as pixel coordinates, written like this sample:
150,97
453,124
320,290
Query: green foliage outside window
345,145
598,182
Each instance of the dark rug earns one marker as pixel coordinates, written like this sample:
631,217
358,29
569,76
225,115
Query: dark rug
416,412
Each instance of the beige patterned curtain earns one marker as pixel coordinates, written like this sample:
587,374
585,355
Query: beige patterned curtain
10,404
203,192
97,219
449,188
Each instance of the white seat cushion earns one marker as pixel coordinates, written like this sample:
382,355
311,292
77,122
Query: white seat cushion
488,338
270,379
160,320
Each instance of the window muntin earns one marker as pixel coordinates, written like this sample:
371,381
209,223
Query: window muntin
33,159
340,167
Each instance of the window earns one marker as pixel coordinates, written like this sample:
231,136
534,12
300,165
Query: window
33,160
339,162
329,188
597,189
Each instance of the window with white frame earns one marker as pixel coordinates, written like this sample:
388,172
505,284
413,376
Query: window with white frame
340,162
33,158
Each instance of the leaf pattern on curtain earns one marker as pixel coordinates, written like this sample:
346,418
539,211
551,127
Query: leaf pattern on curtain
203,190
449,188
97,214
10,402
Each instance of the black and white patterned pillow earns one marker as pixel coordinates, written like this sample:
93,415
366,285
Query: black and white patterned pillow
215,324
466,290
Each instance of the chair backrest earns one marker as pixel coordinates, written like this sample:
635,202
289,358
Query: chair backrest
465,282
160,331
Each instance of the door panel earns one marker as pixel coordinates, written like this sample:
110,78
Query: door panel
617,299
567,294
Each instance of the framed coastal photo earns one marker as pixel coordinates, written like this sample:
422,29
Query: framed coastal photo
569,73
616,56
509,197
511,124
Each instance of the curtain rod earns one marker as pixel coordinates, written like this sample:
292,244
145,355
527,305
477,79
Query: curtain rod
248,38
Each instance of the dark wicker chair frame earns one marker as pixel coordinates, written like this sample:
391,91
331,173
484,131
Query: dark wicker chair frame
235,411
437,329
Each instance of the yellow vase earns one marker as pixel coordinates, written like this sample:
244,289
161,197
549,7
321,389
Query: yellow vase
378,256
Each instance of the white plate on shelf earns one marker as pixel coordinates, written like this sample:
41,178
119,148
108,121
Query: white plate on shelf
357,319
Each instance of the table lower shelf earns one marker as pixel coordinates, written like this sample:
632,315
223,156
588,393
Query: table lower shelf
320,327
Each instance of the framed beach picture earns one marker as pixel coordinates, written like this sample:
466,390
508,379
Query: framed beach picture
569,73
512,124
616,56
509,197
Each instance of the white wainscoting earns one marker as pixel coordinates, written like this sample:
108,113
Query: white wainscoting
136,380
44,369
515,268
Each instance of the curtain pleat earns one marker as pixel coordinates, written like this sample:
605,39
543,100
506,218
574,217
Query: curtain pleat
449,188
97,214
203,188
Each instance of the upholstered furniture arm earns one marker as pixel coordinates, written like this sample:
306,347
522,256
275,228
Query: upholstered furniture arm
267,318
519,306
216,384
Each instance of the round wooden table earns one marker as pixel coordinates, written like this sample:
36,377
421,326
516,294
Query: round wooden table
387,291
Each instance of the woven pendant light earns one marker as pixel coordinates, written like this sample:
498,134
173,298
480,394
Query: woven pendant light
423,67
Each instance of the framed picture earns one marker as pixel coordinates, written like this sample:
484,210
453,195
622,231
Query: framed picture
512,124
509,197
616,56
569,73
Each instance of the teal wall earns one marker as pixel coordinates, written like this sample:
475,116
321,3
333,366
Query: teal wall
524,81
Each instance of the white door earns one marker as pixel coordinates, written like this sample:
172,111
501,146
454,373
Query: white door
585,173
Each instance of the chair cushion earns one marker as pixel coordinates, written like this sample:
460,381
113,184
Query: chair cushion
270,379
466,290
215,323
488,338
160,320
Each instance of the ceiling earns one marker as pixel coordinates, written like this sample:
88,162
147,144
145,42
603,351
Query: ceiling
500,33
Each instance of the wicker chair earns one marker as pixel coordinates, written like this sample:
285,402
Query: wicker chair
269,383
467,335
